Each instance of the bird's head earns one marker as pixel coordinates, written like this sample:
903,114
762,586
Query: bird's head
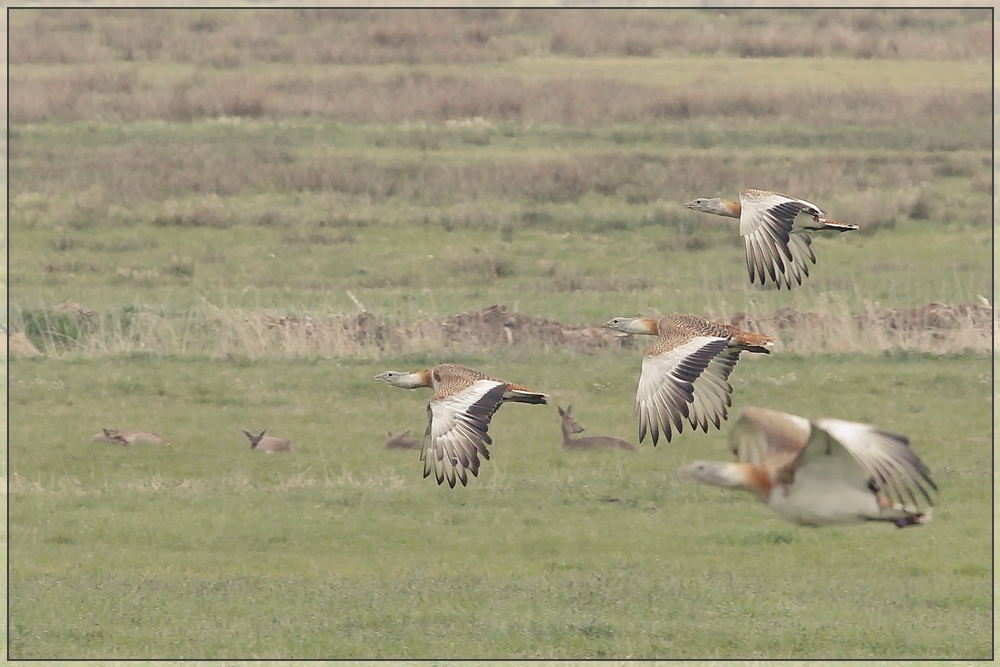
632,325
404,379
391,377
714,473
618,324
705,204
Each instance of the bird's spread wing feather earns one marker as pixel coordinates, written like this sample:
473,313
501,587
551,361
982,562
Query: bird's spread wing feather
767,220
712,391
666,384
457,431
883,458
802,256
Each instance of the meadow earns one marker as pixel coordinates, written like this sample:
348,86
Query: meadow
234,219
342,550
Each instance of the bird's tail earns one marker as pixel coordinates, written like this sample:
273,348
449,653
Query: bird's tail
749,341
911,516
834,226
517,394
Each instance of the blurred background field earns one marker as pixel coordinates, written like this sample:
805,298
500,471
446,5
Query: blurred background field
224,219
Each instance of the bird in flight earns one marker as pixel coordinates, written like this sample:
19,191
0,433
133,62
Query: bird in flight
822,472
685,375
458,416
775,230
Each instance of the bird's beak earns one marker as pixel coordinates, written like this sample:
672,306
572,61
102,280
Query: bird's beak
690,204
380,376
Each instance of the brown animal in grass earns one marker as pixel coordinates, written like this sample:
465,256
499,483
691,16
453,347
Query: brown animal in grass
401,441
571,426
269,444
127,438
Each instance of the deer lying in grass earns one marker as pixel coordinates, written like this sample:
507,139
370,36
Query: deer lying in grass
401,441
127,438
270,444
571,426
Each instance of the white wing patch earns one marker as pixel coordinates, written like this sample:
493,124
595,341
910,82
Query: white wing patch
882,457
843,472
667,385
457,431
825,458
712,392
767,225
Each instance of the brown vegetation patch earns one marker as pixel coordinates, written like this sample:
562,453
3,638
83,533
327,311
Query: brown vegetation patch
932,317
361,98
132,172
20,347
495,326
71,307
228,38
936,328
480,329
933,327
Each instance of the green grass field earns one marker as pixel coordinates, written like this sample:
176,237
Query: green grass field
342,550
194,177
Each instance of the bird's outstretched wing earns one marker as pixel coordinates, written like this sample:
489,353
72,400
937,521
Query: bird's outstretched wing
457,431
772,250
667,383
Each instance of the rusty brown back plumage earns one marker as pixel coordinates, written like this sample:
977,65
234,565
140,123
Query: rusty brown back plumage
677,329
768,438
453,378
696,325
747,337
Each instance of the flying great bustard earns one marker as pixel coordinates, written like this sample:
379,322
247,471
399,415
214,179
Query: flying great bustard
685,375
458,416
775,229
822,472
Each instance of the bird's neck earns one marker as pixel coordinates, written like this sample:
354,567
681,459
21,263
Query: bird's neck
753,478
730,209
416,380
643,325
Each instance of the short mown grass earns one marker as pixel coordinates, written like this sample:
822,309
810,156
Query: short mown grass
342,550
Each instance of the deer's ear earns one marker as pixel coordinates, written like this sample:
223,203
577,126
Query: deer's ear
569,409
561,413
406,433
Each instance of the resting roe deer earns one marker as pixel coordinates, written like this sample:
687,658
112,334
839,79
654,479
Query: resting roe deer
571,426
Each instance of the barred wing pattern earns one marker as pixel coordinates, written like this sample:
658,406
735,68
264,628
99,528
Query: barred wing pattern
667,385
873,455
767,220
712,391
457,431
